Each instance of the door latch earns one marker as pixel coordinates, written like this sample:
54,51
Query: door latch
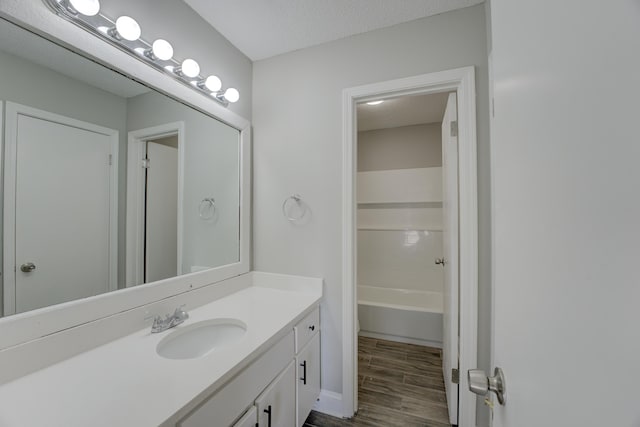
481,384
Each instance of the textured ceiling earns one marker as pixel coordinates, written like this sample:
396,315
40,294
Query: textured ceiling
403,111
265,28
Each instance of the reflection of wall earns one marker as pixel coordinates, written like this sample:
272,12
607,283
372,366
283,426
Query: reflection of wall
404,147
212,166
40,87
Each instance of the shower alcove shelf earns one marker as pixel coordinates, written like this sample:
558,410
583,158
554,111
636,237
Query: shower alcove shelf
400,200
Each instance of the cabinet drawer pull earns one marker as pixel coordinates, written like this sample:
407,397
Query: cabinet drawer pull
268,412
312,327
304,372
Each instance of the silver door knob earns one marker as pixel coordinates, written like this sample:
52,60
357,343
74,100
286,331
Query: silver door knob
27,267
481,384
440,261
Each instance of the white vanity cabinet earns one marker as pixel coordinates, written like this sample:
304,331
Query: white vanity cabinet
279,388
277,404
307,334
250,419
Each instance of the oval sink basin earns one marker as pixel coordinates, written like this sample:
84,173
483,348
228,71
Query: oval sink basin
200,338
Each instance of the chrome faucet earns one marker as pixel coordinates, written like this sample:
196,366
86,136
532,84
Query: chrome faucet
169,321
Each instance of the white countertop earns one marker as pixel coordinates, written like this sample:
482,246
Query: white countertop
126,383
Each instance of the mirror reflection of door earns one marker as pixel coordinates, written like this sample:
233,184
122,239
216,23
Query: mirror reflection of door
60,204
161,209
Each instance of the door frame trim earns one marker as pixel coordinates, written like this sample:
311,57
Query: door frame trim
13,110
135,196
462,81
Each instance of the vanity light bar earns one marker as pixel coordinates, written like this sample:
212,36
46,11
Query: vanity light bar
125,34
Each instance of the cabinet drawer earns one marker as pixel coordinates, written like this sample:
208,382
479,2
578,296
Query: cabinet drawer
230,402
250,419
307,328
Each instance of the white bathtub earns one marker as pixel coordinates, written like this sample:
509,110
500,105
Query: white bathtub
400,315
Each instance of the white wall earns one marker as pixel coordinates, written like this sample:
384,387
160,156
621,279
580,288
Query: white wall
297,117
566,211
212,160
404,147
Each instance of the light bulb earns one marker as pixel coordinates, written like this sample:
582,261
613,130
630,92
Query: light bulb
189,68
213,83
232,95
128,28
86,7
162,49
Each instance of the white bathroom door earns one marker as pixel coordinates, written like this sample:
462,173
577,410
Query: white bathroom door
450,255
161,223
59,209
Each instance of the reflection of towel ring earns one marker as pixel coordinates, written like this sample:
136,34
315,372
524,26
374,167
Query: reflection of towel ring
298,200
207,208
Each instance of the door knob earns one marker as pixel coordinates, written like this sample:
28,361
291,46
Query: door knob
481,384
27,267
440,261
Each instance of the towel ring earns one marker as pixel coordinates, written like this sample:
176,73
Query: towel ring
207,208
287,202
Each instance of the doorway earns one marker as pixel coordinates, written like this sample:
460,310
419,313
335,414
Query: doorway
154,203
60,182
461,83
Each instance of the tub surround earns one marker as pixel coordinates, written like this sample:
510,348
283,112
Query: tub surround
125,382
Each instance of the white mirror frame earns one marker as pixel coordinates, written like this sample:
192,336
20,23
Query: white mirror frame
24,327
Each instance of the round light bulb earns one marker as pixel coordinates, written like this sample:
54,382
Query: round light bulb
213,83
162,49
128,28
232,95
190,68
86,7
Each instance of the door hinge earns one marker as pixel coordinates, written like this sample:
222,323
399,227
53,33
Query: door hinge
110,159
146,163
455,376
454,128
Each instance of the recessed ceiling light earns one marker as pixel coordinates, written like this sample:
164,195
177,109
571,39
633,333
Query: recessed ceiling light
375,102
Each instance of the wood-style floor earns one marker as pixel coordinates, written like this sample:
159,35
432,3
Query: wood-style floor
398,385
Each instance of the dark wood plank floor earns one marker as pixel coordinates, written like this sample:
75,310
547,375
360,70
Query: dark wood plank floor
398,385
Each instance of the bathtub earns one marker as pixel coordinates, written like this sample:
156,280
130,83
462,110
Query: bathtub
400,315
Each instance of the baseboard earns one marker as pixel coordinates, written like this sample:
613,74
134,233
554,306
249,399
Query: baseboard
428,343
329,403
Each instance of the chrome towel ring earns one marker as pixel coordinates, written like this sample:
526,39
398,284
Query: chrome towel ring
207,208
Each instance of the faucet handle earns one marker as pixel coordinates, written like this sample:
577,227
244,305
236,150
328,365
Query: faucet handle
181,313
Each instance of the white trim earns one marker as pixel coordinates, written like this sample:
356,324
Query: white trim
135,196
13,110
24,327
330,403
2,276
387,337
461,80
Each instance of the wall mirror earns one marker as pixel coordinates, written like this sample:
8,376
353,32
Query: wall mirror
109,184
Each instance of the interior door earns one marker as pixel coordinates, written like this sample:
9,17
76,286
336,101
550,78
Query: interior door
58,210
161,222
450,255
566,212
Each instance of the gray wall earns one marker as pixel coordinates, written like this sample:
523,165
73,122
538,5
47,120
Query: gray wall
405,147
297,119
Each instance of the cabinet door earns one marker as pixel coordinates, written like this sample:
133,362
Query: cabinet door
250,419
308,381
276,405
